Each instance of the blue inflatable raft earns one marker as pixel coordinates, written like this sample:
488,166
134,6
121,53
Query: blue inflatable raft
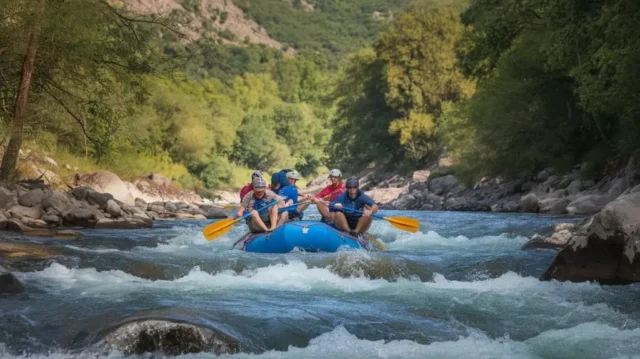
310,236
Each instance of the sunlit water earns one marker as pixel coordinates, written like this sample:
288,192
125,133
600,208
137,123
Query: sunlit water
459,288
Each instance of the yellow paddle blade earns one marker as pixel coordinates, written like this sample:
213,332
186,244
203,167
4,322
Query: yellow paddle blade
375,241
231,207
404,223
219,228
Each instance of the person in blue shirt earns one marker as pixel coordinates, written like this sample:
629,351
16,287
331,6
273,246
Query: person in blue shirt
289,191
353,198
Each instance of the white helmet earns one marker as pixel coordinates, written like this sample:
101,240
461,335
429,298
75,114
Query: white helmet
335,173
293,174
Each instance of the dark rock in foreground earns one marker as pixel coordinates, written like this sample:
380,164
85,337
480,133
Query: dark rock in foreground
167,337
9,284
606,248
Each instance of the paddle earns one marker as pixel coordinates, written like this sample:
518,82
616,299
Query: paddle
223,226
376,242
228,207
404,223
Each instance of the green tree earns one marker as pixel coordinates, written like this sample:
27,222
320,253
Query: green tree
80,55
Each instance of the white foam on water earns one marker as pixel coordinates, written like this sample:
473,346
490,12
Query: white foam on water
292,276
587,340
187,239
93,250
431,240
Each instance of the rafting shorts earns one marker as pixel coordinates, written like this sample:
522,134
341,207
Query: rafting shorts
254,228
353,221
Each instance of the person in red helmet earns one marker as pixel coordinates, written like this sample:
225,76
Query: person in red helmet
328,194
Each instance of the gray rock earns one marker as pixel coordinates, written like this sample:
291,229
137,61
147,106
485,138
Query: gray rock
7,198
141,203
215,213
443,184
32,198
170,207
57,201
31,212
169,338
99,199
52,219
80,217
554,205
574,187
432,202
113,209
527,186
588,204
605,248
529,203
543,176
9,284
155,207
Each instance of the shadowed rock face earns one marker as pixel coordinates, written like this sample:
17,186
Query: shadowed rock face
9,284
173,338
605,249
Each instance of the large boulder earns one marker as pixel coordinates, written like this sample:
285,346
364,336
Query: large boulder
171,338
32,198
106,182
7,198
216,213
9,284
606,248
22,211
588,204
442,185
81,217
56,201
554,205
421,176
529,203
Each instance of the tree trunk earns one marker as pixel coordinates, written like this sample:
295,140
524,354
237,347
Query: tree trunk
10,158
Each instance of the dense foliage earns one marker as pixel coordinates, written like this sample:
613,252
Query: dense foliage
503,86
331,27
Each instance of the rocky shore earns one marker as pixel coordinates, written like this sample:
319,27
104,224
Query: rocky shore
542,192
101,200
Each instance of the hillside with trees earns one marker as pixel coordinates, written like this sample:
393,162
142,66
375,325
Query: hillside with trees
501,86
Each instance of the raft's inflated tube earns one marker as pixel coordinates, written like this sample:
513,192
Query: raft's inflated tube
309,236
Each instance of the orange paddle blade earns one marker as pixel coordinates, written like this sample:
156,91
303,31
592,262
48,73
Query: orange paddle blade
404,223
219,228
375,241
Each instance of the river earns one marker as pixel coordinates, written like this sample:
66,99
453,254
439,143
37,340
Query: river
459,288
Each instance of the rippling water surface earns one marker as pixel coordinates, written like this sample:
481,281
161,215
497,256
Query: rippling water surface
459,288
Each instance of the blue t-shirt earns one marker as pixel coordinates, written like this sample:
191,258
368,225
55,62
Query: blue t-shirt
358,203
290,192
